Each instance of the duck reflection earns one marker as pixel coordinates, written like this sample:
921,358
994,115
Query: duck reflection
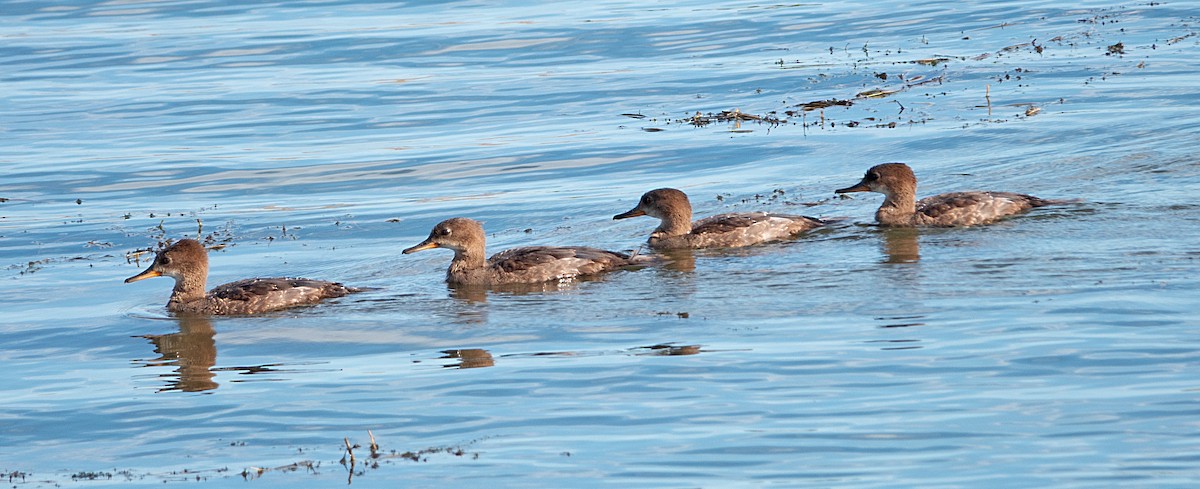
900,245
192,350
668,350
470,306
470,358
479,293
681,260
475,294
473,298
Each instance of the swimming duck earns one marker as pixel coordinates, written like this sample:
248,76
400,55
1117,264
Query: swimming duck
901,209
676,229
525,265
186,261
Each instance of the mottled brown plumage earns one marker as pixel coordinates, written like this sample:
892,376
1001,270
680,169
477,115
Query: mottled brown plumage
900,208
676,229
187,262
530,264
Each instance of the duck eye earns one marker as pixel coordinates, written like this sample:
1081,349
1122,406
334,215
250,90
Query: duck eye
872,176
445,231
164,260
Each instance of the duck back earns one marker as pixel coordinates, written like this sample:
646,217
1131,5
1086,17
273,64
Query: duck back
971,208
545,263
256,295
738,229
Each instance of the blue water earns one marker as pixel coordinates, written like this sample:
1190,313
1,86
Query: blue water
1057,349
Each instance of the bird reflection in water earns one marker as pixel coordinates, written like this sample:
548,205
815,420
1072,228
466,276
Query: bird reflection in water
470,293
192,350
469,358
478,357
900,245
668,350
682,260
475,297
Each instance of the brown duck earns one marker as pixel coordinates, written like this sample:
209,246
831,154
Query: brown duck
186,261
676,229
525,265
901,208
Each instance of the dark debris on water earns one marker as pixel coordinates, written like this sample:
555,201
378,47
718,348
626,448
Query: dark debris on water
735,115
349,460
876,57
376,455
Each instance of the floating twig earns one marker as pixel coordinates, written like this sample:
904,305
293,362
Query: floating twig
249,473
349,450
821,104
1170,41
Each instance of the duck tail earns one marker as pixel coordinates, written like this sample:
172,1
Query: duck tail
1040,202
825,221
339,290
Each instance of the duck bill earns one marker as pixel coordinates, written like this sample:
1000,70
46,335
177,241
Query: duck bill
635,212
149,273
425,245
858,187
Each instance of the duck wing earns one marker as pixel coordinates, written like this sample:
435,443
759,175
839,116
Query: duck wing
724,223
968,208
748,228
267,294
544,263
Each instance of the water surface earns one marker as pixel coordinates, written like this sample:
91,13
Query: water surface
319,139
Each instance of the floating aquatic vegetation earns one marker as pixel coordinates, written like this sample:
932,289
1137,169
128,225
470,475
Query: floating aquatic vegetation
846,76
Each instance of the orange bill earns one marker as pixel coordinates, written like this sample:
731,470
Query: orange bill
149,273
425,245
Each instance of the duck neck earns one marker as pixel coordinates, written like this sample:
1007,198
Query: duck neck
899,207
674,224
188,288
467,259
